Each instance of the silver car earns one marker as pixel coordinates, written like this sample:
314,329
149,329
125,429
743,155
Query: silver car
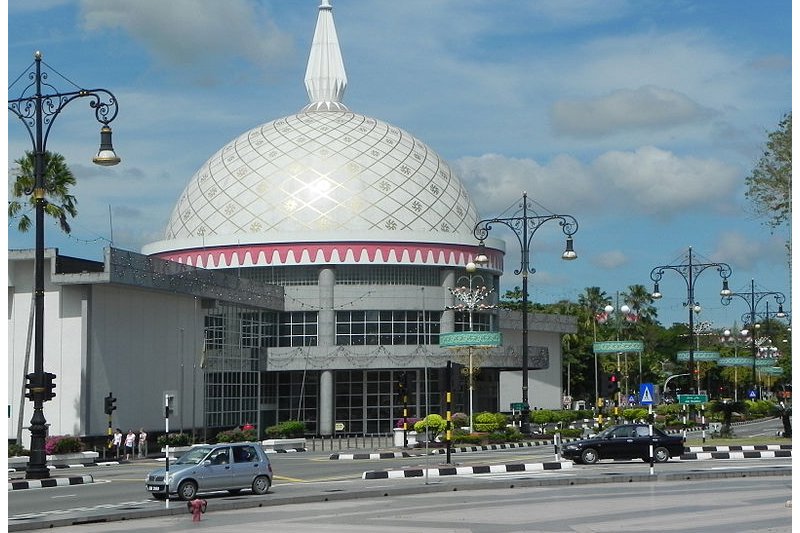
213,467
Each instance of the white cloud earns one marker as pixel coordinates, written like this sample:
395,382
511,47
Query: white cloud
645,108
658,182
610,260
647,181
197,35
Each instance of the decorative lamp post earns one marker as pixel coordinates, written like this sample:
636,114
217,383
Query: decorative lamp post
524,224
471,298
37,112
689,271
752,299
729,338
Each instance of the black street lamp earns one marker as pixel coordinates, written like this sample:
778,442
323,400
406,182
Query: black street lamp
524,226
689,272
752,299
37,112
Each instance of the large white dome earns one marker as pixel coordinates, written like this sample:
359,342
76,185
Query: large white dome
323,172
321,186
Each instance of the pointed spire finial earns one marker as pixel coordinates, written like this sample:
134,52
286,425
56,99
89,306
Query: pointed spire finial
325,76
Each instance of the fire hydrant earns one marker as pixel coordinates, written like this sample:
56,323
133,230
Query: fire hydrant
197,507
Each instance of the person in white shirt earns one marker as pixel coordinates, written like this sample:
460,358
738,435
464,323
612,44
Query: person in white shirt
130,442
142,443
117,442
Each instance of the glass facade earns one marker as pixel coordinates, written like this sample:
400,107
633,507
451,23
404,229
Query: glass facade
386,328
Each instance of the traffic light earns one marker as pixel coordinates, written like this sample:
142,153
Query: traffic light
30,386
604,385
45,387
401,383
169,405
613,382
110,401
49,386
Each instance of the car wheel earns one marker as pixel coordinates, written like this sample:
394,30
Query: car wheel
261,485
661,455
589,456
187,490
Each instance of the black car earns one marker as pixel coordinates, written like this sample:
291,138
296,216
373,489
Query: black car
627,441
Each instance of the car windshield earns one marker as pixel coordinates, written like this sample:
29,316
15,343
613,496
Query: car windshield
193,456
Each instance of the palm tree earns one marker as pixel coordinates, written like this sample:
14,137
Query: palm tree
640,301
58,179
593,300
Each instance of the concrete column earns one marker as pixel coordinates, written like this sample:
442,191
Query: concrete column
326,402
326,333
447,324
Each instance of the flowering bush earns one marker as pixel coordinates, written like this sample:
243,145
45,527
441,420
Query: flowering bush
459,420
174,439
237,435
62,444
410,421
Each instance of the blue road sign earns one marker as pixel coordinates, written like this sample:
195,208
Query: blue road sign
631,399
647,393
752,395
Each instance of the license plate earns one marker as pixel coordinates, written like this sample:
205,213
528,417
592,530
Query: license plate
154,488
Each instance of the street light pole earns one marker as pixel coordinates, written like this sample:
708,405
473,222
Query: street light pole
37,112
689,272
471,299
752,299
524,227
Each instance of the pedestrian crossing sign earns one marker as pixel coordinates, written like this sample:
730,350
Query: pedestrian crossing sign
647,394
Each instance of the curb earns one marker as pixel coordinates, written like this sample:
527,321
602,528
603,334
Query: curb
461,470
380,455
734,455
50,482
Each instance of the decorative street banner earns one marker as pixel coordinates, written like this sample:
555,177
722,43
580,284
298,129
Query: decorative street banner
618,347
459,339
735,361
746,361
700,356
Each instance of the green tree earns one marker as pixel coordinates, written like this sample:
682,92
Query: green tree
58,179
769,187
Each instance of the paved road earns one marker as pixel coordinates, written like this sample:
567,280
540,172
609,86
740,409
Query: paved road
711,506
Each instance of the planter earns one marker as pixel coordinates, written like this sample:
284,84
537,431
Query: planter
411,436
283,444
61,459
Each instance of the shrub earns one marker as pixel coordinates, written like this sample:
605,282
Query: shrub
237,435
466,438
16,450
542,416
174,439
288,429
570,433
434,423
487,422
634,413
62,444
459,420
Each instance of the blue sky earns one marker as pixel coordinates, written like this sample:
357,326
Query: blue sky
641,118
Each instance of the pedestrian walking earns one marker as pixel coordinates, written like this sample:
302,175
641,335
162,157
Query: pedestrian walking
130,443
117,442
142,443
